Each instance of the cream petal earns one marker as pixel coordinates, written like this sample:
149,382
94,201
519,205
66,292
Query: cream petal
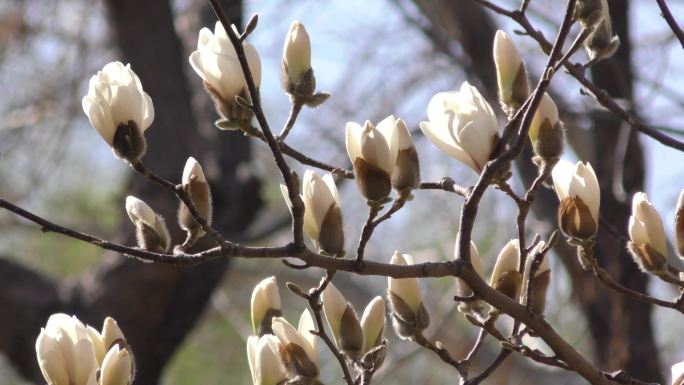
98,344
408,289
334,306
270,369
330,182
252,343
372,322
637,231
562,175
317,197
148,112
353,140
286,195
204,38
508,260
100,117
474,139
116,367
126,105
446,144
254,62
84,361
306,325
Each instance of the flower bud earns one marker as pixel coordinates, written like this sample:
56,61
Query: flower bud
601,43
409,315
117,367
462,125
679,226
151,231
265,364
197,188
373,324
463,290
505,277
648,245
546,131
373,154
322,213
297,75
216,62
510,73
406,174
298,350
590,12
119,109
343,322
540,282
579,194
65,353
265,305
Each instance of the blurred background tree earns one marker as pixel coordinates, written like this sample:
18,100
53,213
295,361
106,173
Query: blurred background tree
188,325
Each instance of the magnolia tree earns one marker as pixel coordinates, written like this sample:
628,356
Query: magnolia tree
460,123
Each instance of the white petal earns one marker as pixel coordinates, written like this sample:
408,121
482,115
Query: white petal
408,289
306,325
330,182
353,140
372,322
439,136
192,171
562,174
334,306
508,260
139,211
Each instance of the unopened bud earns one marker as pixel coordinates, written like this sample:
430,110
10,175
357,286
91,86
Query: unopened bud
679,226
297,76
578,191
343,322
409,315
546,131
151,231
406,175
590,12
505,277
602,44
510,73
197,188
265,305
373,324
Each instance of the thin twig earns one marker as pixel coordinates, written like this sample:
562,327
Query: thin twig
441,352
366,233
294,112
665,11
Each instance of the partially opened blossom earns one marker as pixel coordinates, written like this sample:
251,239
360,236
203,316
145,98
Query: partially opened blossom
119,109
265,363
462,125
647,235
579,194
299,346
216,62
151,231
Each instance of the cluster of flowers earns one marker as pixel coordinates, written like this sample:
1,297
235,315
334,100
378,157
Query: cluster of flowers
71,353
279,353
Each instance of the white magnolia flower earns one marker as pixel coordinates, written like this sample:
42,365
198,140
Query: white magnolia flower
580,196
66,354
510,71
373,323
303,339
462,125
263,354
216,62
408,289
117,367
322,213
265,298
115,98
645,225
297,52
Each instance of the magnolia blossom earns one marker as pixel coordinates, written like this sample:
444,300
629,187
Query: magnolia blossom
117,367
297,53
373,323
197,187
152,232
462,125
265,305
300,345
546,130
580,196
216,62
66,354
343,322
510,72
322,213
373,153
645,225
263,355
119,109
505,276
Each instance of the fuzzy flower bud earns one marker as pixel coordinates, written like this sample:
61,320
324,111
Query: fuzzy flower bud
463,290
373,324
602,44
590,12
505,277
119,109
409,315
216,62
510,73
648,245
579,194
265,364
151,231
679,226
297,75
265,305
406,175
462,125
298,349
373,153
343,322
322,212
546,132
197,187
66,354
117,367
